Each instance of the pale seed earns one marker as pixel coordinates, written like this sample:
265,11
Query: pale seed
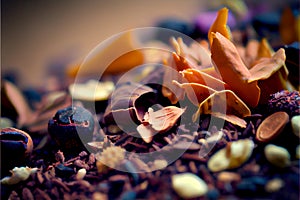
278,156
188,185
296,125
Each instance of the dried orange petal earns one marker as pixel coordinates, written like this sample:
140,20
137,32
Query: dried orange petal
251,52
196,92
119,55
288,26
220,25
267,66
233,71
224,104
264,49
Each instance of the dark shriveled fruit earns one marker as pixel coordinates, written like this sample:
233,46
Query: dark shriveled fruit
72,128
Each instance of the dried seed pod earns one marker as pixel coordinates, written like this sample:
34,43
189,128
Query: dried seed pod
272,126
278,156
17,145
72,128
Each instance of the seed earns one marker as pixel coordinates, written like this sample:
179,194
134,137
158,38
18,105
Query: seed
188,185
18,174
274,185
232,156
81,174
277,156
272,126
160,164
298,152
296,125
229,177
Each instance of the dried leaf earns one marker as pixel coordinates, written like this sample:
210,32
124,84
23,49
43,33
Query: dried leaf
15,96
49,106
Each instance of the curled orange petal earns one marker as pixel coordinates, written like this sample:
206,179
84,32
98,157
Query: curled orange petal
195,92
288,26
226,105
198,76
220,25
233,71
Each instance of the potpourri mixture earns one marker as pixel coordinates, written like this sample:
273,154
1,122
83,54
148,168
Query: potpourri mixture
215,118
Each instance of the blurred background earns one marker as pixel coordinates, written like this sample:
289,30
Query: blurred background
40,37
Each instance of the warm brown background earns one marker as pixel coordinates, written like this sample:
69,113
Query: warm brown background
36,35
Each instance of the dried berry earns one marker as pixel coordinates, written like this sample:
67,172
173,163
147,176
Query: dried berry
72,128
286,101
